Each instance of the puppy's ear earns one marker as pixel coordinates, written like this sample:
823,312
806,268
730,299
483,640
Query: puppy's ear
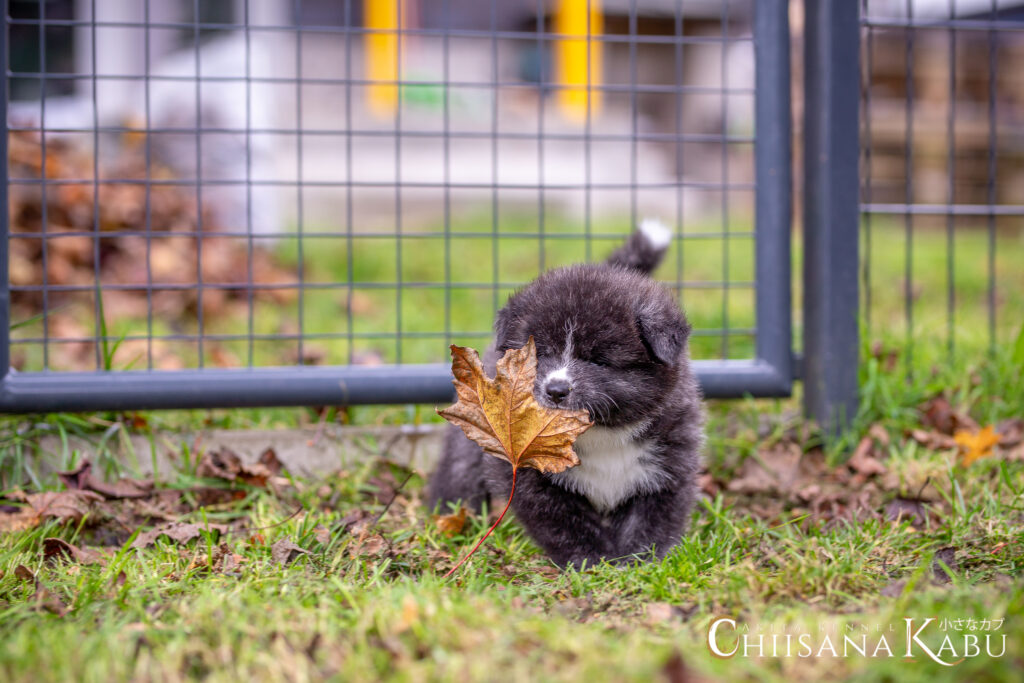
663,332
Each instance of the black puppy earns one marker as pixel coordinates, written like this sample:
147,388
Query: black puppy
613,342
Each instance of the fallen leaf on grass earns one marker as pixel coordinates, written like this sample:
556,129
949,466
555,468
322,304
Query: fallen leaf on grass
179,532
208,496
382,488
1011,432
911,509
839,503
220,464
894,589
938,414
504,418
864,460
322,534
1015,454
453,524
781,469
163,505
368,544
947,557
43,597
933,440
226,560
46,599
658,612
285,552
55,549
781,475
64,506
268,459
82,479
707,484
577,609
18,519
879,434
227,465
976,445
356,521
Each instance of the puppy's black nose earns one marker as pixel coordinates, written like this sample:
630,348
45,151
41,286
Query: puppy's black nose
557,389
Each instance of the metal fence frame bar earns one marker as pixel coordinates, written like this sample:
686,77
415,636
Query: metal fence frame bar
773,195
42,392
831,218
769,374
5,280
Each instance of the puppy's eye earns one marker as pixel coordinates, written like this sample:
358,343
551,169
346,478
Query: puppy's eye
599,362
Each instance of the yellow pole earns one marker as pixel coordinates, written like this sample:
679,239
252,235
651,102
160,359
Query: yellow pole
382,19
576,67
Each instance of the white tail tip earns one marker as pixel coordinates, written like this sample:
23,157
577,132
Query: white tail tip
657,233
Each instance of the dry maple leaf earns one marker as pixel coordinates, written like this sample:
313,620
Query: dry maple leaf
82,479
502,415
64,506
451,525
56,549
975,445
285,551
179,532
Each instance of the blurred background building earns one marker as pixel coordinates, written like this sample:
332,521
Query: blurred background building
447,86
203,179
912,65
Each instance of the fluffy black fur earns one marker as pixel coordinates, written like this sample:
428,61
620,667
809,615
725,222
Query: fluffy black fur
617,343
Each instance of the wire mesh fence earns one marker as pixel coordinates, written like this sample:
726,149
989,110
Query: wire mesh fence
211,184
197,186
942,152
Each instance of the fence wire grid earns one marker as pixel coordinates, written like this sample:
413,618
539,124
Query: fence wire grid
942,151
218,185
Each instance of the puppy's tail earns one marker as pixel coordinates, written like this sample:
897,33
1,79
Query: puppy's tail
644,248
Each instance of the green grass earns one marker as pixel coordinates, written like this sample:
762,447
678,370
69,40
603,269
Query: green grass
171,613
930,283
342,614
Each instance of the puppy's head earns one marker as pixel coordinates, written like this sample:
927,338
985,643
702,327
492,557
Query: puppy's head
609,341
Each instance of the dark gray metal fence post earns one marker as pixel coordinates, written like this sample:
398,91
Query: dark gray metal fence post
831,210
773,150
5,295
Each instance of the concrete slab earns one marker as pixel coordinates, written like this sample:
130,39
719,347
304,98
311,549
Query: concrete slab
304,452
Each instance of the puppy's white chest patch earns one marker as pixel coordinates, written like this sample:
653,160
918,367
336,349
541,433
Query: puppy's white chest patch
612,467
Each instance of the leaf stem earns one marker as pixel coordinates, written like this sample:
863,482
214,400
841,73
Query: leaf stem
493,526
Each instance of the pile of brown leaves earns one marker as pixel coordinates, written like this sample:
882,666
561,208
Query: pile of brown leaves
111,512
782,475
947,428
74,209
106,516
786,475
